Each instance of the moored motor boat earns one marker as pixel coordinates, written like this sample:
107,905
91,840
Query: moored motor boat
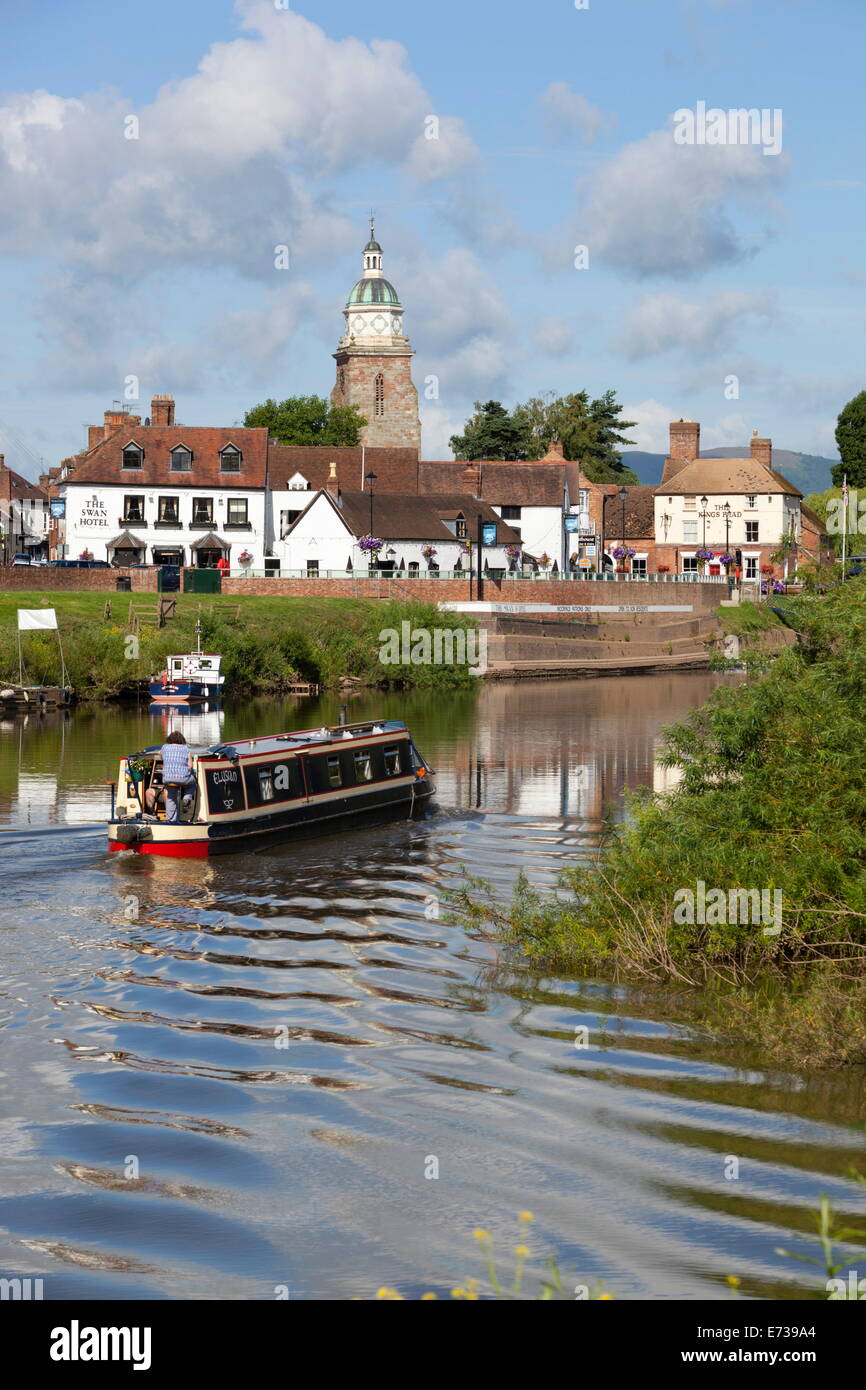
189,677
262,791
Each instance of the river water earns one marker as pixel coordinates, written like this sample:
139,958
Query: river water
288,1072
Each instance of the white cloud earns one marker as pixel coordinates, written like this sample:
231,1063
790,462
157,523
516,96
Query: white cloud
569,114
242,156
650,433
438,424
457,313
658,208
555,336
666,322
450,150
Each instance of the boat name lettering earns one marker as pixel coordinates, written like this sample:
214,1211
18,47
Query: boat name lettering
228,776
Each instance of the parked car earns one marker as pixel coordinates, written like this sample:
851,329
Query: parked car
80,564
21,559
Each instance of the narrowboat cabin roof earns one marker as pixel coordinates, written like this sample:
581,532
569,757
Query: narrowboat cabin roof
292,742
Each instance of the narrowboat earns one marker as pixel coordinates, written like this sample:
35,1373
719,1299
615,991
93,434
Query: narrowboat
188,677
258,792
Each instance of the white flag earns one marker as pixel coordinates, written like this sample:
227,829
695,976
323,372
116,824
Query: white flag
37,620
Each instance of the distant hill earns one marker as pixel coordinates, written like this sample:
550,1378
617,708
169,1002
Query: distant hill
808,472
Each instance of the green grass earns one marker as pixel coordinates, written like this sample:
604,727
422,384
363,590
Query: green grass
747,619
267,643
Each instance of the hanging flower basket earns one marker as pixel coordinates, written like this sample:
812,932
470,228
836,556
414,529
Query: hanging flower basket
727,560
137,768
514,552
544,560
623,552
429,552
245,557
766,569
370,544
703,554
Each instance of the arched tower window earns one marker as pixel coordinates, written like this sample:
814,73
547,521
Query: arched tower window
342,380
380,394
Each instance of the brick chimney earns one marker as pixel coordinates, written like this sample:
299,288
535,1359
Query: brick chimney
470,480
332,484
114,420
162,410
685,446
554,453
762,451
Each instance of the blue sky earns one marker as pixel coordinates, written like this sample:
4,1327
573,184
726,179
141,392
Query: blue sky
153,257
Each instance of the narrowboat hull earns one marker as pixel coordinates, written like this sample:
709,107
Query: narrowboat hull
263,792
180,841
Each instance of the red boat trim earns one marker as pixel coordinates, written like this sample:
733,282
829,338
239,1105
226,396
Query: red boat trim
172,849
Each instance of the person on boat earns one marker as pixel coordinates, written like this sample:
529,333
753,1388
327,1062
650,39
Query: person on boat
177,773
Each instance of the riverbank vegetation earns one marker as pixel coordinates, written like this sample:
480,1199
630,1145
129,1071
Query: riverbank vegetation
744,889
267,644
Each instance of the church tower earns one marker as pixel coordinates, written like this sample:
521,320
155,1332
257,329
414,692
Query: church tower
374,359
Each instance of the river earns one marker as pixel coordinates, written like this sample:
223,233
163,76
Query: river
286,1074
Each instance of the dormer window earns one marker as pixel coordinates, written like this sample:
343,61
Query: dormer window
230,459
181,459
298,483
460,528
133,457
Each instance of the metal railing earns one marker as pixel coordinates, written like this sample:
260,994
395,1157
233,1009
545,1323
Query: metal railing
526,576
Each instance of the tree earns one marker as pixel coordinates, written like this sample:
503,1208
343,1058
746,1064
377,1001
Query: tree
588,430
851,442
308,420
491,433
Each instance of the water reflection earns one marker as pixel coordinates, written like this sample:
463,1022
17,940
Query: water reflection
282,1040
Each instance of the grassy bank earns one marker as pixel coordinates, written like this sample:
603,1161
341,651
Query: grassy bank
772,801
267,644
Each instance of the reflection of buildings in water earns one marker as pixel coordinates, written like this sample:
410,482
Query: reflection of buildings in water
201,725
36,801
567,748
665,779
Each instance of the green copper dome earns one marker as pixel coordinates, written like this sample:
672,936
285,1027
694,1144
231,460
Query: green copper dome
373,291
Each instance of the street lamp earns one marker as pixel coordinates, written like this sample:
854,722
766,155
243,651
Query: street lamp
704,501
727,511
371,478
623,494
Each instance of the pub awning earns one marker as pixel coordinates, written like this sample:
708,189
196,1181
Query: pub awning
125,541
211,542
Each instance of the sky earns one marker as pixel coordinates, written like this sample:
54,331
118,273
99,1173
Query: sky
152,159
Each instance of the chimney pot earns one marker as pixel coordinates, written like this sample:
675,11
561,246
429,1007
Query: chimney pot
762,451
162,410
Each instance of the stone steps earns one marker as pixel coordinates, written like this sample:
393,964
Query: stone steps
606,666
